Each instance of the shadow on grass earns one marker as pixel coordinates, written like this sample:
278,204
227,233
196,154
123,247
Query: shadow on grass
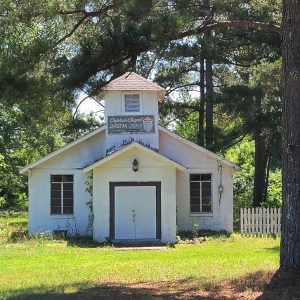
282,285
181,289
273,249
258,285
81,242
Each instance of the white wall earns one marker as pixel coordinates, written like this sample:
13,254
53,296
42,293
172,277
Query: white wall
68,162
119,169
40,219
175,185
197,162
114,107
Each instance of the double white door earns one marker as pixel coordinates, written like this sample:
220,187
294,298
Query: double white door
135,212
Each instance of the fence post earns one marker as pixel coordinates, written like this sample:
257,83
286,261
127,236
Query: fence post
241,220
260,221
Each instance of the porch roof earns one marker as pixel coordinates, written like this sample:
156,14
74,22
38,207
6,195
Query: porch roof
126,148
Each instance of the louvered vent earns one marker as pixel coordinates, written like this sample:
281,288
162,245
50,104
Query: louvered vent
132,103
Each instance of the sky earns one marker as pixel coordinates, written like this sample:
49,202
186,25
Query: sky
89,105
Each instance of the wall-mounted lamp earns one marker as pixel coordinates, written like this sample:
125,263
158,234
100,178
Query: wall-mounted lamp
220,188
135,165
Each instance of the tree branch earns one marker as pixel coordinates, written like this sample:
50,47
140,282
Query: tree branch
210,25
86,15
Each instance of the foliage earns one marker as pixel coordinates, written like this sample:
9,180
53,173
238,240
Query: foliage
89,203
243,155
54,51
274,198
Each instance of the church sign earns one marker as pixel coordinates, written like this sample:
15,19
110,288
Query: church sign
130,124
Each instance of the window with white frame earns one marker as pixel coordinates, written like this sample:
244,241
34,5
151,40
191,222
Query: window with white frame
200,193
62,195
132,103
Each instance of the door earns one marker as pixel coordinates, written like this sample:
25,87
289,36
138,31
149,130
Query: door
136,211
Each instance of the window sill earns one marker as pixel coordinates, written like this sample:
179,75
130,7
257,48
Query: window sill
201,215
62,217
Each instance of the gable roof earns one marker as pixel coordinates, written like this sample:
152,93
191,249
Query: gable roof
199,148
130,81
103,127
127,148
60,150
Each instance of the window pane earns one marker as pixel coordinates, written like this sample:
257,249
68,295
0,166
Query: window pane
68,178
206,208
195,185
55,194
195,201
194,177
56,178
55,202
55,210
195,193
206,190
68,186
55,187
206,195
68,198
68,210
195,208
206,201
68,202
205,176
68,194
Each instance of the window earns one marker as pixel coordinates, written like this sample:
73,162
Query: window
200,193
62,194
132,103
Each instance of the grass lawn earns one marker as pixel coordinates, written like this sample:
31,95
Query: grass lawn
41,268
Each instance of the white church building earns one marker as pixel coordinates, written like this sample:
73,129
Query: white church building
147,182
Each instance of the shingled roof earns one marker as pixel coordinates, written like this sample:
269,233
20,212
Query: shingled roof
131,81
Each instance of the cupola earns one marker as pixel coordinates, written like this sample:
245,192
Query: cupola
131,110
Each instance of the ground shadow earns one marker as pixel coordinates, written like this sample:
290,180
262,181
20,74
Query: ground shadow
273,249
182,289
282,286
256,285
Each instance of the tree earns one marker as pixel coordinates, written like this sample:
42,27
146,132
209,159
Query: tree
55,50
290,242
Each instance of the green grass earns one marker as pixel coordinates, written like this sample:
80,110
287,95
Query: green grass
45,265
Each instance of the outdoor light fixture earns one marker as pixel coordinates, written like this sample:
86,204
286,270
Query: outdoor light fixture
135,165
220,188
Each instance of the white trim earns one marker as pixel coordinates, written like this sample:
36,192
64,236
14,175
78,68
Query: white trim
125,149
62,215
199,148
212,180
201,215
66,147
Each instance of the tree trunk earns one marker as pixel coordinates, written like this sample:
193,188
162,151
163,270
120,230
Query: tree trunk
259,170
118,67
260,160
201,104
209,135
290,242
209,129
267,176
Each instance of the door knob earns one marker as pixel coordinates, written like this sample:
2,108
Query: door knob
133,216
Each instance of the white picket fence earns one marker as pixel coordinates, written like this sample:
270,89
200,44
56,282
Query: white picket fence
260,221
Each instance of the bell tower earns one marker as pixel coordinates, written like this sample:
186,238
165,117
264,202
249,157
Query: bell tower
131,111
